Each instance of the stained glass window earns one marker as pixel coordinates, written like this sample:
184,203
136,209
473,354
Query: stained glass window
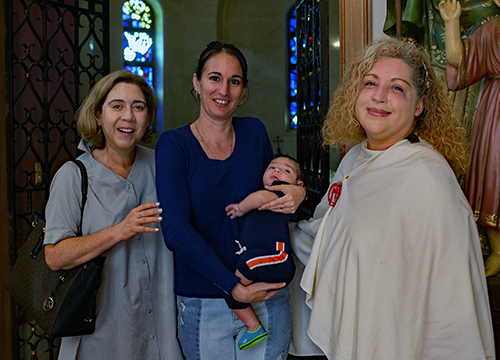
138,39
291,68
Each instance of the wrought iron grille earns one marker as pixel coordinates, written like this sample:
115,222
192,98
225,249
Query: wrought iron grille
57,50
312,98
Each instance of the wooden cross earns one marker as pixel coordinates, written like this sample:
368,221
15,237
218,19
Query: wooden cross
278,140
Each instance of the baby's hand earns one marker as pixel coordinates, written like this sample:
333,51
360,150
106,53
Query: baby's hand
233,211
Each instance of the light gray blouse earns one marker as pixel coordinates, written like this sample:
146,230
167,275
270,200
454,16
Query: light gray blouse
136,310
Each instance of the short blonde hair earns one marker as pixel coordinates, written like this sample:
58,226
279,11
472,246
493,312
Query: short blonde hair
436,124
86,116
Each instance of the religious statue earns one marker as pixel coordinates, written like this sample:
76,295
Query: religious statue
422,23
469,61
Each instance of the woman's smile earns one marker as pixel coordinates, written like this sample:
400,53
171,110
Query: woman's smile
378,112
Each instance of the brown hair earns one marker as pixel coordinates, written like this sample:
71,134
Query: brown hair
86,116
436,124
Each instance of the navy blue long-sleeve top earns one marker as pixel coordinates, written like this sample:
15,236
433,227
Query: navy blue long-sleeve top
193,192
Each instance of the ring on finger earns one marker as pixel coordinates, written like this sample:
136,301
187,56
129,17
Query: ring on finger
282,206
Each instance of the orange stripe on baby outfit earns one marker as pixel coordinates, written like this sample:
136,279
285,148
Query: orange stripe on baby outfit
269,259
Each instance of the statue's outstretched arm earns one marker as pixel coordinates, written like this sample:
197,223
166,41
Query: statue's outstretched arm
450,12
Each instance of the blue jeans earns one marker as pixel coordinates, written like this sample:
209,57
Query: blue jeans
209,330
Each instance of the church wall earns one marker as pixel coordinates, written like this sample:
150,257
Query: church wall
379,11
257,27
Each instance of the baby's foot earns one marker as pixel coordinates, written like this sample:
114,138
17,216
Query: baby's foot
251,338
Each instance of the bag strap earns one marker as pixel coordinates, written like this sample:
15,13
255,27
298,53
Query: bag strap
85,183
90,299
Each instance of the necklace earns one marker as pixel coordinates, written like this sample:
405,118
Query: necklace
208,147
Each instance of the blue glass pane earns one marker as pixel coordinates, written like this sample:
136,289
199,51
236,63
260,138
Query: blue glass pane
91,45
292,62
137,46
145,72
137,11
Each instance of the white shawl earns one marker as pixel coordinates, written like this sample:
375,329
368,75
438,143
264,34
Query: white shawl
396,270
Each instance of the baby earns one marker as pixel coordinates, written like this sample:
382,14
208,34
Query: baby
264,243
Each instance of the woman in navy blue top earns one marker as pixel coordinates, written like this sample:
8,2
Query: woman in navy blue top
202,167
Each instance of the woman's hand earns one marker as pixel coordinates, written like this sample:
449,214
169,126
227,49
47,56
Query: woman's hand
71,252
255,292
288,204
136,219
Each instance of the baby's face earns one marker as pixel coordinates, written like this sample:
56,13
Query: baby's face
282,169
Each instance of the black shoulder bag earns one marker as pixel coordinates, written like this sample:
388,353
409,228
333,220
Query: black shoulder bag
62,302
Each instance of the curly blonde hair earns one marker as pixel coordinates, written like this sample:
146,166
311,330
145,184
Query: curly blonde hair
436,124
86,116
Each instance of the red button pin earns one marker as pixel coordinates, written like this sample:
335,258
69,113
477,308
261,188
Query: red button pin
334,193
